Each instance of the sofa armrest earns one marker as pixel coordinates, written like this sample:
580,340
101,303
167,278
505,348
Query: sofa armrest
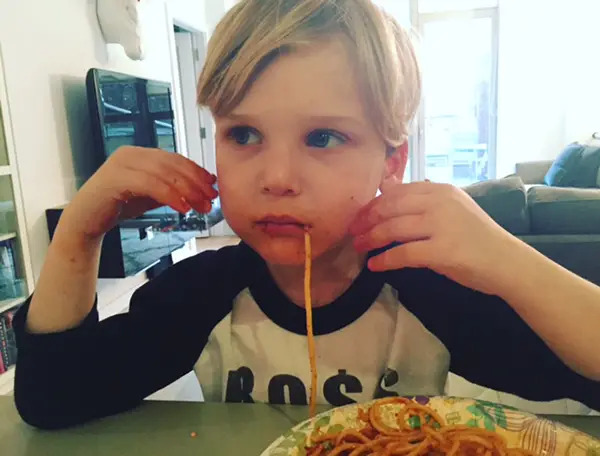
533,172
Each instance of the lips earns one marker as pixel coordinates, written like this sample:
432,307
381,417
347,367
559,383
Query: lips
282,220
282,225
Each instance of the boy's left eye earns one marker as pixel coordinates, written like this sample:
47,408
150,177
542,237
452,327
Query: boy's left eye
325,139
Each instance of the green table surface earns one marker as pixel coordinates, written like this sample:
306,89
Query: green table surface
163,428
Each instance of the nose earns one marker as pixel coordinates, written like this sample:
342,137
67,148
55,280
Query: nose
280,173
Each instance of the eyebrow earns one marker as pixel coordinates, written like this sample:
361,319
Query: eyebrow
326,119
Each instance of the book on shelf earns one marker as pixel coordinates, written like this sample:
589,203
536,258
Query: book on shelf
3,368
8,344
4,343
11,338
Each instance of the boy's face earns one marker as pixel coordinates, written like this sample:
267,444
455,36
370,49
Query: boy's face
299,152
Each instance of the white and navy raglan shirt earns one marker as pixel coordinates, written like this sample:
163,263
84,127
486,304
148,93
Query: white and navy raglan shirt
221,315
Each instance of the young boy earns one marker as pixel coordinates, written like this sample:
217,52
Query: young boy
311,101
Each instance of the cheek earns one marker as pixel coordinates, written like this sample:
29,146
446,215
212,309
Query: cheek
345,194
229,195
229,189
337,209
231,175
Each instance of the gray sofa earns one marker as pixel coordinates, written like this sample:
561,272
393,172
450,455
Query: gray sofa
561,223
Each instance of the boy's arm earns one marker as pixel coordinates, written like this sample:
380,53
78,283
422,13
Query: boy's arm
442,228
65,291
488,342
561,307
101,368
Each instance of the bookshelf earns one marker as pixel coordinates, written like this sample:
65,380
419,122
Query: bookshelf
8,304
7,236
16,275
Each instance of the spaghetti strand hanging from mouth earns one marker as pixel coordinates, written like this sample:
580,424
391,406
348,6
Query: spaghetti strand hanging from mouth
309,323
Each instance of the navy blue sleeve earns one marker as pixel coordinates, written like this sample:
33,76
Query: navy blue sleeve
102,368
489,343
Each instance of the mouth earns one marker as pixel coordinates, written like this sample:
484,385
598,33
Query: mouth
282,225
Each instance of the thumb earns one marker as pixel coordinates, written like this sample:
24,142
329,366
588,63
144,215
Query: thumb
389,183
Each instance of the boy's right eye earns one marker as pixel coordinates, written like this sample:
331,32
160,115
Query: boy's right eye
244,136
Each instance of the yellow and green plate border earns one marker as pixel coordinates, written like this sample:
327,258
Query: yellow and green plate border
521,429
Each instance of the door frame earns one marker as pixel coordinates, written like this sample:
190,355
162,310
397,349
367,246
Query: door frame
200,39
178,102
195,131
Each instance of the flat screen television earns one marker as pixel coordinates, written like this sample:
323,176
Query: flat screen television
128,110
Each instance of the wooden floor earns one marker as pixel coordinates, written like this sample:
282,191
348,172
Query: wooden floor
214,242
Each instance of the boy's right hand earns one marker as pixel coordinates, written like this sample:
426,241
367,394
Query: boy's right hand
132,181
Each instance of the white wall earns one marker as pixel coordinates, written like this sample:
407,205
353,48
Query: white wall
547,89
582,108
48,46
530,83
191,12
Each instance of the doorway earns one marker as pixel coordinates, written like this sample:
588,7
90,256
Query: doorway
198,124
190,47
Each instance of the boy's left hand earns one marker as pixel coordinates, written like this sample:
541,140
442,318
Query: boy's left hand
440,228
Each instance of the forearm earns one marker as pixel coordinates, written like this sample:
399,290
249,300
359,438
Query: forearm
561,307
66,289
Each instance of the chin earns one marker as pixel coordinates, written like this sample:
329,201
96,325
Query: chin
286,251
289,251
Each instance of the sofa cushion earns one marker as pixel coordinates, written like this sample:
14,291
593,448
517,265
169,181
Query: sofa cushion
555,210
504,200
576,166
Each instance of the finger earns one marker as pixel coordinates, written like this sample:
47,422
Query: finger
194,175
389,184
388,206
394,192
197,193
191,169
162,163
148,185
393,185
199,196
398,229
415,254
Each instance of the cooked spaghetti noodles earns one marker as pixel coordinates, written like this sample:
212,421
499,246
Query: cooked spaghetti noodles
418,431
309,324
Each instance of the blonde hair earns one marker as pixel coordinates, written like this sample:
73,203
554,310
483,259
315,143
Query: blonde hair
255,32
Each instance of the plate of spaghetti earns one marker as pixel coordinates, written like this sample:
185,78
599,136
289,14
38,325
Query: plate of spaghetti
431,426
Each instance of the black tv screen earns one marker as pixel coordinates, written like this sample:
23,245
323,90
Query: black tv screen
128,110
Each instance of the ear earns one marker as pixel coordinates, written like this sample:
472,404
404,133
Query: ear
395,163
